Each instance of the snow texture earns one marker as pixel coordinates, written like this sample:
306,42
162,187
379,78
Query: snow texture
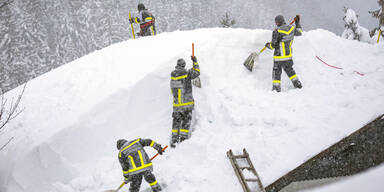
40,35
65,139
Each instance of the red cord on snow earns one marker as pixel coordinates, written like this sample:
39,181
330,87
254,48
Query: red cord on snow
361,74
327,63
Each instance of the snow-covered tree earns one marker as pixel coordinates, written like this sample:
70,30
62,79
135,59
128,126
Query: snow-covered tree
378,14
353,30
227,21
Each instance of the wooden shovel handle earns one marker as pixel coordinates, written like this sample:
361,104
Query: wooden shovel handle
193,49
158,153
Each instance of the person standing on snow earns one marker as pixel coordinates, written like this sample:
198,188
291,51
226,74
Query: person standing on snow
136,163
146,21
183,102
282,39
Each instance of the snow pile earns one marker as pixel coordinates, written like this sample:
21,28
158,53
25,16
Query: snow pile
353,31
65,140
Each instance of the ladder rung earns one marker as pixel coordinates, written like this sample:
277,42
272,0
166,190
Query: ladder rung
252,180
239,156
242,168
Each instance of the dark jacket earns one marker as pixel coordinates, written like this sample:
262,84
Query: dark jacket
282,39
181,87
133,158
147,23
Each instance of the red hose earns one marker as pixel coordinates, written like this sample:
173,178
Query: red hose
361,74
328,64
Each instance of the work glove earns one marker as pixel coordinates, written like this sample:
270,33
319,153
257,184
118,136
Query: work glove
194,59
131,20
268,45
159,149
297,19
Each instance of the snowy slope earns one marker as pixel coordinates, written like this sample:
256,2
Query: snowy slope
65,140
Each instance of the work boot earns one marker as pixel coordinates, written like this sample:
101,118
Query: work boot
156,188
182,138
297,84
276,88
174,140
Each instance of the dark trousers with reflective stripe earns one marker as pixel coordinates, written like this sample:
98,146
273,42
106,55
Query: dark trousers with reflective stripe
180,126
148,30
137,179
278,66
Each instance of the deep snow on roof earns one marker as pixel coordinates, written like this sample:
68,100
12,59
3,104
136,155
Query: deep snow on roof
65,139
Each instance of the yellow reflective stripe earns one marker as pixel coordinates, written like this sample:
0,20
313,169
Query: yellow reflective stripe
183,104
378,38
132,162
179,95
282,57
276,81
181,130
149,18
284,51
300,30
179,77
283,47
141,158
293,76
152,143
137,168
196,69
141,167
153,31
152,184
128,146
286,32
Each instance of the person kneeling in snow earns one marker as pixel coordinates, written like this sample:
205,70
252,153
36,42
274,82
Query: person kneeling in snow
146,21
183,102
282,39
136,163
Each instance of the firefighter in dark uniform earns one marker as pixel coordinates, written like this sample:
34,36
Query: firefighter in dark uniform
136,163
183,102
282,39
146,21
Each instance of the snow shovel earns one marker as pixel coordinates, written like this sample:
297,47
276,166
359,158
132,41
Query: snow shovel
196,81
252,58
122,185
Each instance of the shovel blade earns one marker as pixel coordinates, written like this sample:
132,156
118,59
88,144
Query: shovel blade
250,62
196,82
